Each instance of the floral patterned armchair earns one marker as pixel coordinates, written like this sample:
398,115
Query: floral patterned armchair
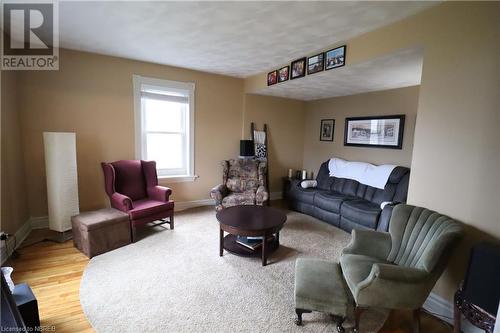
243,183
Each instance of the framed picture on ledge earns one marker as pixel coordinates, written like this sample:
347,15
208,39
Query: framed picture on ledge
375,132
327,129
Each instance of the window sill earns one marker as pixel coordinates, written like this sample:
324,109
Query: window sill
177,179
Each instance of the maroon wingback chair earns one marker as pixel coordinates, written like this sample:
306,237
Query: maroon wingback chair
132,187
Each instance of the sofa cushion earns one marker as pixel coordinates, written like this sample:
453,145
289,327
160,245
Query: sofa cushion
362,212
235,199
323,178
130,179
147,207
356,268
330,201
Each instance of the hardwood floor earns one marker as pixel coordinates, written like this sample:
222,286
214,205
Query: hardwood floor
53,270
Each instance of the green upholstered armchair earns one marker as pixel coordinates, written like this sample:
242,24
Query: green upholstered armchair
398,269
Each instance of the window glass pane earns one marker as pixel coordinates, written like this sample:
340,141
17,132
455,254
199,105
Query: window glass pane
165,149
163,116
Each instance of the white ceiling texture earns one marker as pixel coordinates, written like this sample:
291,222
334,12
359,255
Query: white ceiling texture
238,39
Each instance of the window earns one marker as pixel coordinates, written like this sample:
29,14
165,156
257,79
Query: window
164,126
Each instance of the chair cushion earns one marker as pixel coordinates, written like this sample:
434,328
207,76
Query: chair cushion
330,201
356,268
130,179
147,207
362,212
243,175
235,199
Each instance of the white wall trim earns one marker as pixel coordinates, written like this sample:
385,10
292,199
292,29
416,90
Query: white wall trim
439,307
443,309
276,195
40,222
183,205
19,236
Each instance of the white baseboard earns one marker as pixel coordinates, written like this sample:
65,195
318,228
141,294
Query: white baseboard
40,222
443,309
192,204
15,241
276,196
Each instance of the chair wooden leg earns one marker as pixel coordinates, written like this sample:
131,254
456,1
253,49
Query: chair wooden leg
133,232
456,318
340,321
416,321
357,315
172,222
299,313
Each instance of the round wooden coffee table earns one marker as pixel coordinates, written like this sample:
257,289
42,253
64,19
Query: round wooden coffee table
253,221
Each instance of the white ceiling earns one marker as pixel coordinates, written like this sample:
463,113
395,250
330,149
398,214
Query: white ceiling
401,69
231,38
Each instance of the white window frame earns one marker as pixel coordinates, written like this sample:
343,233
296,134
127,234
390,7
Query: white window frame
140,142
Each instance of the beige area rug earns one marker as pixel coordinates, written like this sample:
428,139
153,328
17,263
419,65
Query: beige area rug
175,281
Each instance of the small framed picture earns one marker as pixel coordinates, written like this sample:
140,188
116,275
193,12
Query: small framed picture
335,58
283,74
376,132
298,68
327,129
315,64
272,78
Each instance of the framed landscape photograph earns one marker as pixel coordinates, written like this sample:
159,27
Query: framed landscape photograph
272,78
315,63
377,132
335,58
298,68
283,74
327,129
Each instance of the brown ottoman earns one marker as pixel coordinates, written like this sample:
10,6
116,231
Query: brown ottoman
100,231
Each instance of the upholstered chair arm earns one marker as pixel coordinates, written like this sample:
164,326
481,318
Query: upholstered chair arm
218,193
160,193
261,195
371,243
121,202
393,287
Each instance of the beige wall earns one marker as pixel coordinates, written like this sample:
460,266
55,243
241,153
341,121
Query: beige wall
388,102
14,203
455,162
92,96
285,120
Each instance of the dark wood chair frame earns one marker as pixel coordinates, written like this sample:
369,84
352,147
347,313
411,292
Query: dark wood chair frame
167,220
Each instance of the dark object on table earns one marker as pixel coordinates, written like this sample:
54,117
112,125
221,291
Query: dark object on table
132,187
479,295
250,220
346,203
28,306
11,318
100,231
246,148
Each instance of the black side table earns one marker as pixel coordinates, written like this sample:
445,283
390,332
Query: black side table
28,306
473,313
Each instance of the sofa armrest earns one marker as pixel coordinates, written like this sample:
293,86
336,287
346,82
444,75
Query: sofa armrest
160,193
385,217
218,193
261,195
371,243
121,202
